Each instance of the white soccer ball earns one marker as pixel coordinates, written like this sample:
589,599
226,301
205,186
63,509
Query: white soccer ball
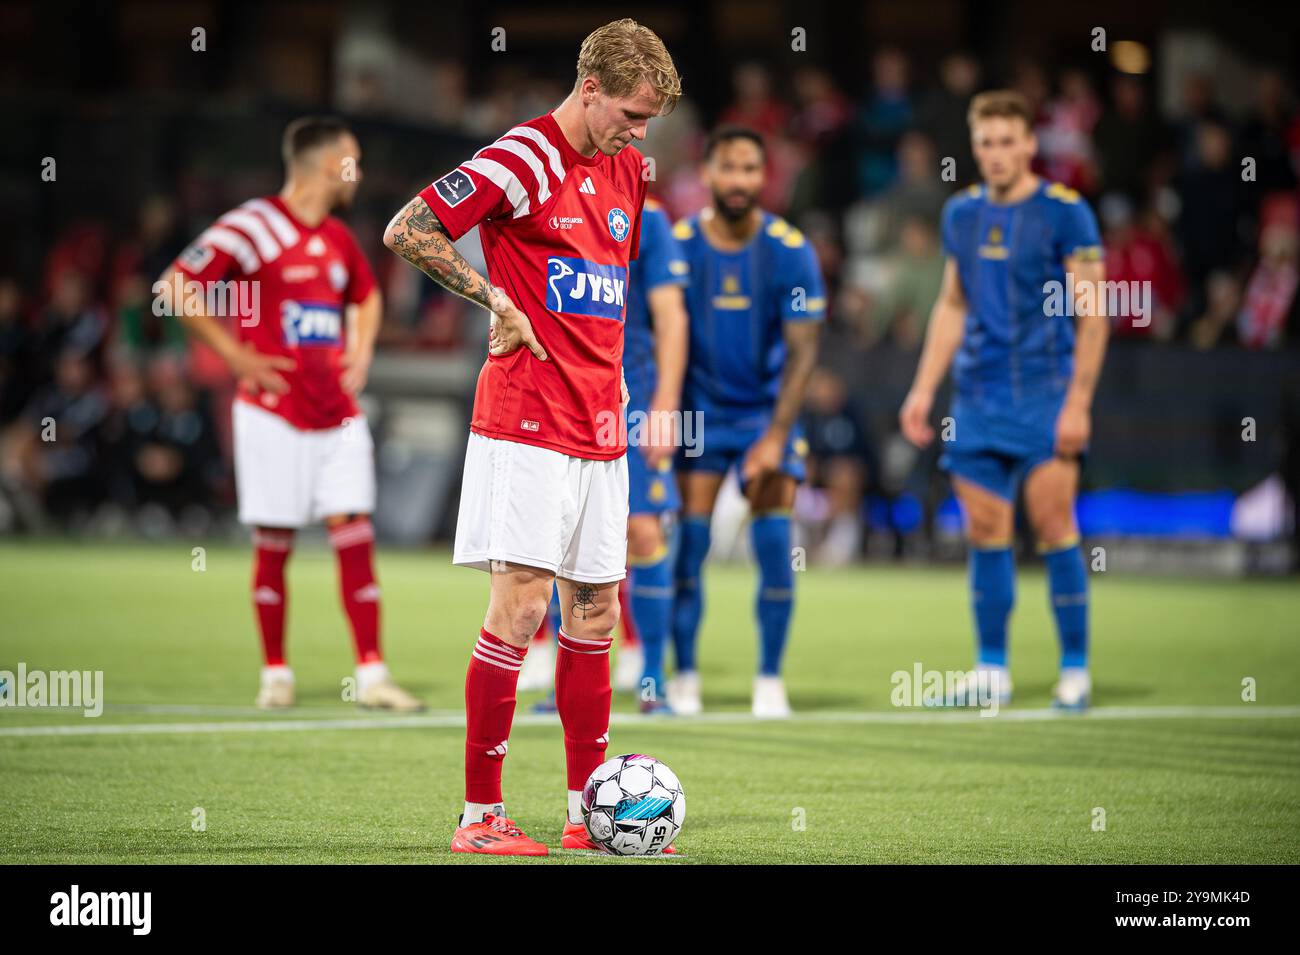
633,805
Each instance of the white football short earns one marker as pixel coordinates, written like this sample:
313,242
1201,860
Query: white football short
288,477
541,508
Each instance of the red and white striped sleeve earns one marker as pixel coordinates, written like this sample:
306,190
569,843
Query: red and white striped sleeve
242,240
511,178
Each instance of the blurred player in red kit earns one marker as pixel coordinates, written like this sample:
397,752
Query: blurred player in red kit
286,273
544,498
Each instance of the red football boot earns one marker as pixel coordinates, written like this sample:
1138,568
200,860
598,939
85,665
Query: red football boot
495,836
576,836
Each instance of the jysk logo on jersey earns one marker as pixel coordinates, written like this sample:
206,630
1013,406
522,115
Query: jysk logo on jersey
619,224
455,188
310,324
579,287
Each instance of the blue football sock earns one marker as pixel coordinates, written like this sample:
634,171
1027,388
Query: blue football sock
651,587
692,548
993,594
1067,583
770,535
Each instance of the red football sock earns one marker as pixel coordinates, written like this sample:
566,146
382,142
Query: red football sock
626,619
354,542
489,711
582,698
271,552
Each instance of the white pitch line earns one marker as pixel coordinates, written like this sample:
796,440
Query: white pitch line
455,719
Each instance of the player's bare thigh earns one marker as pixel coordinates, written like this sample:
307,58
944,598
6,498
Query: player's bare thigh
518,601
699,491
990,519
588,611
645,536
1050,492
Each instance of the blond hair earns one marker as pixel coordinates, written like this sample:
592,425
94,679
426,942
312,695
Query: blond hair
622,55
1004,104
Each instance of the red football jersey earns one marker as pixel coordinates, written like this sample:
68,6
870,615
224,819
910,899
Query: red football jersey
290,286
558,231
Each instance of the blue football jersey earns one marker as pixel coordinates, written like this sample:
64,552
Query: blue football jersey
660,262
738,303
1014,344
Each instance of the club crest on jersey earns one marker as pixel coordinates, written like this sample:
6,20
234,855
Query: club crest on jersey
454,188
579,287
310,323
619,224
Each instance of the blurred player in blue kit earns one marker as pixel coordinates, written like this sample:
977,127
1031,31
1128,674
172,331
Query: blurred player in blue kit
1023,264
756,301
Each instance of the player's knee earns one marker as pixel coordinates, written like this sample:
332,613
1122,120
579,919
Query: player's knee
518,621
1056,532
986,526
596,623
645,539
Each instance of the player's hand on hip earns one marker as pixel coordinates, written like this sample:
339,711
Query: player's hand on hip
356,371
661,427
510,328
914,418
257,371
1073,429
763,457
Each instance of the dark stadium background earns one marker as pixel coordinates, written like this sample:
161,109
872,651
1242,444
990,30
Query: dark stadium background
153,140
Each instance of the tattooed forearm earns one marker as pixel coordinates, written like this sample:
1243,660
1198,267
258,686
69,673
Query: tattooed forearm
417,236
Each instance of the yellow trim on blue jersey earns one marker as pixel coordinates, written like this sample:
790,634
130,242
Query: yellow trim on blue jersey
731,303
777,227
683,230
793,239
1088,253
1064,193
679,267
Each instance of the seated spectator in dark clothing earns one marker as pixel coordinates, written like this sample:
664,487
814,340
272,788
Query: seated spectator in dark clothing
838,454
16,357
1129,137
70,322
52,450
1209,224
177,463
133,418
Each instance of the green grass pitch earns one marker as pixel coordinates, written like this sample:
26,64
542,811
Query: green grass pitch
1183,768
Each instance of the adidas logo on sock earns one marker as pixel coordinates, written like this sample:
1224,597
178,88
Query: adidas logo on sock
499,749
266,596
367,594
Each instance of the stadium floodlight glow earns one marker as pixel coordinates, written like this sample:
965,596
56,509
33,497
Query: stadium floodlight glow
1129,56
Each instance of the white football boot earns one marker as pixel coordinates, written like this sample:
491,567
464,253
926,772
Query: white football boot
683,694
538,671
770,701
276,691
377,691
984,685
1074,691
627,668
